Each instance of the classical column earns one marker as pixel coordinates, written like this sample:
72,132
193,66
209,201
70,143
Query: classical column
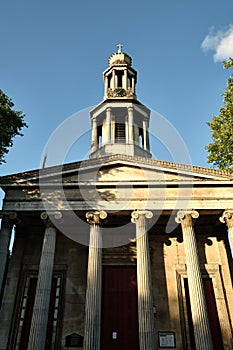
108,125
227,217
125,80
105,86
112,129
133,84
144,134
94,282
5,237
202,334
130,122
113,80
94,136
126,129
145,299
37,337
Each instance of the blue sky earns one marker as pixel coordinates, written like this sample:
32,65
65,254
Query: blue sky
53,54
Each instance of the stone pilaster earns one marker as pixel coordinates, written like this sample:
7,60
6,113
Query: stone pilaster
94,282
37,337
94,136
108,125
130,125
144,134
203,338
112,129
145,299
227,217
5,237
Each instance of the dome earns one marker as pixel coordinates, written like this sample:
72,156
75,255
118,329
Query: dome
120,58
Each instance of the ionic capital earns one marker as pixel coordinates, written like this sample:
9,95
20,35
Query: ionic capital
130,109
48,218
186,217
10,218
135,215
227,217
96,217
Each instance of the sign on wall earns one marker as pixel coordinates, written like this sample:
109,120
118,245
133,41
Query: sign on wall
74,340
167,340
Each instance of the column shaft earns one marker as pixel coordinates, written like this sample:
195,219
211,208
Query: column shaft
133,85
130,125
144,134
202,333
5,236
37,337
113,80
125,80
94,283
108,125
94,136
145,299
112,129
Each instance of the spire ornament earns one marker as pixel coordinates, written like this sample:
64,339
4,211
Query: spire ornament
120,47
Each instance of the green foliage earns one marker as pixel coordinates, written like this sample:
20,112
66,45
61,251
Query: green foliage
11,123
221,149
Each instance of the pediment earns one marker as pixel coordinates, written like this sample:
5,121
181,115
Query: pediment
118,168
138,170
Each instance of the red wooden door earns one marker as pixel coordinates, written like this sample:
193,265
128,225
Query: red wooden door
213,314
119,308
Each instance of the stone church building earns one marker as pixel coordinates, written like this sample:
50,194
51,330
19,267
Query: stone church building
120,251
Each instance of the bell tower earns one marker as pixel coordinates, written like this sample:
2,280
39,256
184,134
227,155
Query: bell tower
120,122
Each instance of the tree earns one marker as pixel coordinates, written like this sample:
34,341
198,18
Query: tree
11,123
221,149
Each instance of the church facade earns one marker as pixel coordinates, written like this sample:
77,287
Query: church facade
119,251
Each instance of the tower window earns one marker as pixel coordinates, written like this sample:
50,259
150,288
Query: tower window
120,132
109,80
119,74
141,140
99,135
130,84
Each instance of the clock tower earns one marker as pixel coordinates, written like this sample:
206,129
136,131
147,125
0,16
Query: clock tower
120,122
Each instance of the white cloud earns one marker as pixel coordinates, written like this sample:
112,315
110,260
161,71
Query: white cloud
221,42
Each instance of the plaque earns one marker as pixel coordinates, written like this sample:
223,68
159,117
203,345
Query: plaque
74,340
167,340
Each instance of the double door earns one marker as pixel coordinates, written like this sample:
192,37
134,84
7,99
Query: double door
119,323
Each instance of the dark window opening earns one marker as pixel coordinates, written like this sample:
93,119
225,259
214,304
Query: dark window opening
99,135
120,132
141,139
119,74
130,81
147,140
109,80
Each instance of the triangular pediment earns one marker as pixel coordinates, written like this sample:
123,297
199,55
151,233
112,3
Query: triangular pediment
118,168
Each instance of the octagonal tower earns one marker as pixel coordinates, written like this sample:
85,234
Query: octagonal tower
120,122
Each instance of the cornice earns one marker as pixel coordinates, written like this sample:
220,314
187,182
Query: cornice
107,160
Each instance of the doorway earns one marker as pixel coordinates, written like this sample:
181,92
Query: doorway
119,308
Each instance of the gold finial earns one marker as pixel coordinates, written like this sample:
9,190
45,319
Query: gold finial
119,48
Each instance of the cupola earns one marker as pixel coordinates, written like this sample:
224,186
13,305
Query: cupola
119,78
120,122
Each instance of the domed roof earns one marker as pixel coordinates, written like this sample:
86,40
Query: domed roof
120,58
